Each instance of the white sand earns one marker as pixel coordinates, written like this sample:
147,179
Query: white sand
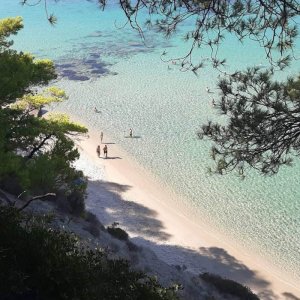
122,191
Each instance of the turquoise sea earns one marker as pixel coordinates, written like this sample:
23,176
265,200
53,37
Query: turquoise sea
104,66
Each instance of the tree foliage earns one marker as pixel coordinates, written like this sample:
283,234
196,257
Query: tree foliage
36,154
19,71
263,125
229,287
9,26
38,262
31,102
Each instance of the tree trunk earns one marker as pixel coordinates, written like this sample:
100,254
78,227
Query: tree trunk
38,147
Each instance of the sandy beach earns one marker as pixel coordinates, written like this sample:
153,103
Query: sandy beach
152,215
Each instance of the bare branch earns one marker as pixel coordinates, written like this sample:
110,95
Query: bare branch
36,198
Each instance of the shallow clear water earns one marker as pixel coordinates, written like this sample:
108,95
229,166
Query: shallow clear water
111,69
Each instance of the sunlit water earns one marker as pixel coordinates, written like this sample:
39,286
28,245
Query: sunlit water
112,69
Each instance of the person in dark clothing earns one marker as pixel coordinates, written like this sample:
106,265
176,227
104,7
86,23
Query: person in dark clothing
105,151
98,150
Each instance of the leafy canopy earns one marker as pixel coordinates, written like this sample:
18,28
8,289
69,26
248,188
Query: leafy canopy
263,123
9,26
36,153
20,71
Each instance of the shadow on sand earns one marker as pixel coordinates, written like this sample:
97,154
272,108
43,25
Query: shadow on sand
289,296
111,207
132,137
106,202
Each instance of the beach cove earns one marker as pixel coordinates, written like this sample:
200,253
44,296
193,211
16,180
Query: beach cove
166,170
122,191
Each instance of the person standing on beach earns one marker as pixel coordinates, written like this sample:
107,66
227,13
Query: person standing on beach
101,136
105,151
130,132
98,150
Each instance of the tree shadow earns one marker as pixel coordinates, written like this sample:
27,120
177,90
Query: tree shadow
42,112
212,260
132,137
110,207
106,202
290,296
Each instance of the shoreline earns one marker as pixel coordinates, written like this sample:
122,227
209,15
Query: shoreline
170,233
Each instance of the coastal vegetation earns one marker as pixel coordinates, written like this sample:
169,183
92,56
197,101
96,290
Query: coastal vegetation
38,262
229,287
36,154
117,232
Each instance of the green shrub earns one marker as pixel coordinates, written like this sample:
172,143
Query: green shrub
228,286
118,233
38,263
